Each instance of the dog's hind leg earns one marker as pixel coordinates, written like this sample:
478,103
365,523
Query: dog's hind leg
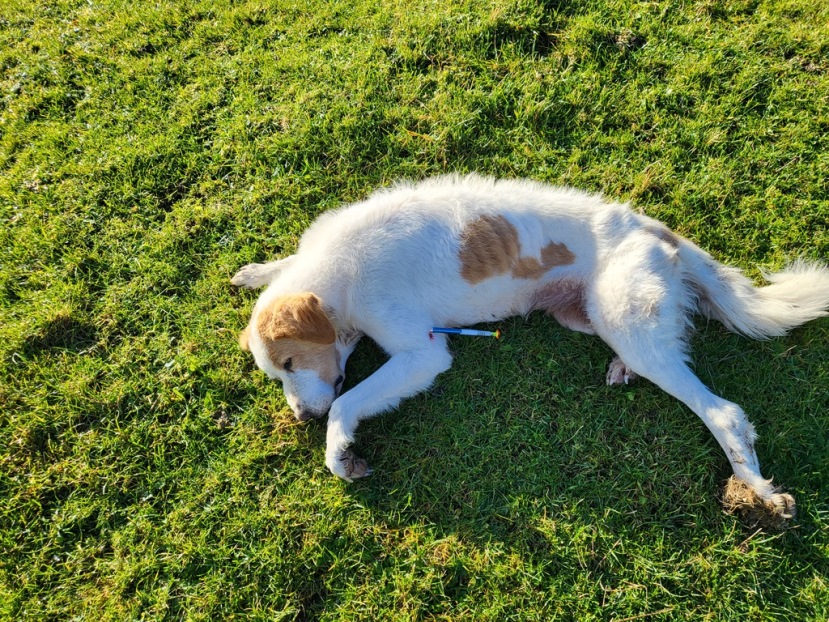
564,300
726,421
638,306
255,275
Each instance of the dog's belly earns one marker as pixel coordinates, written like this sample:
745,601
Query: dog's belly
488,301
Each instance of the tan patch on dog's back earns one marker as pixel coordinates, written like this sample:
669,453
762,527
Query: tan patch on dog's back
490,247
552,255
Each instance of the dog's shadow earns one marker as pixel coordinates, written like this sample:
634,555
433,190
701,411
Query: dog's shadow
524,431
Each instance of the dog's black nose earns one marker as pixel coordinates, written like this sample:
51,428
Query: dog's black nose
306,415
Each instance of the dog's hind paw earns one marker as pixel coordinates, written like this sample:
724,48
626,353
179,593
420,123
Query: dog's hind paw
773,512
618,373
250,276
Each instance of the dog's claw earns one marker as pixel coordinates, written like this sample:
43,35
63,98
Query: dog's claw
354,466
618,373
784,505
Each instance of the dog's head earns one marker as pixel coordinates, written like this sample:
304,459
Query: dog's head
293,339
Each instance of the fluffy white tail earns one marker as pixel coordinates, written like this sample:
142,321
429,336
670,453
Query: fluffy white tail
796,295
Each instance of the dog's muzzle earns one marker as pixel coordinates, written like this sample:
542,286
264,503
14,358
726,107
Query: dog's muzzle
306,414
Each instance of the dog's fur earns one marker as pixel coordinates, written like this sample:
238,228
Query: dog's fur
454,251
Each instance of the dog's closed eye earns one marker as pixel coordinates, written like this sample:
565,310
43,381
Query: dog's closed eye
288,365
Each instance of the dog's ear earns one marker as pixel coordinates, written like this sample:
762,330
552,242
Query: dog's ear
299,317
243,339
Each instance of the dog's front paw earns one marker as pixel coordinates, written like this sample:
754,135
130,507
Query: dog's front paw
355,467
347,465
619,373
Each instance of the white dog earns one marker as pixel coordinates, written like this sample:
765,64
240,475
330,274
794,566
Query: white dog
454,251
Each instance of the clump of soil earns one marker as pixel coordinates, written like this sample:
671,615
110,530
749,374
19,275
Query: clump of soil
739,497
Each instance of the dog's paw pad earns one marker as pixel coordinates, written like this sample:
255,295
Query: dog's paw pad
354,466
618,373
771,513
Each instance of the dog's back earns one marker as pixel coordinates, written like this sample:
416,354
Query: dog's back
469,248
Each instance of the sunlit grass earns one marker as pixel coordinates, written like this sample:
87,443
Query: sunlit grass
149,471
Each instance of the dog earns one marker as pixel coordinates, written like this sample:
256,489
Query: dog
459,250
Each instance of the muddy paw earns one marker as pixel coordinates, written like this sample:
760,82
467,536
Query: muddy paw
618,373
354,466
773,512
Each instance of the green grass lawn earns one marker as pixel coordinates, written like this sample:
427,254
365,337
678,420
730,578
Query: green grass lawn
149,471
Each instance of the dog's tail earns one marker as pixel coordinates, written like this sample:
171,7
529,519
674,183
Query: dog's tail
797,294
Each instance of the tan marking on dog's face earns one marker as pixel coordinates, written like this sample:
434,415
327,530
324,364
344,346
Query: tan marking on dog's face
298,316
295,327
317,357
490,247
244,337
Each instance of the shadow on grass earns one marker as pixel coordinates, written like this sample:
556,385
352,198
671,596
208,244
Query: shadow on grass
489,463
61,333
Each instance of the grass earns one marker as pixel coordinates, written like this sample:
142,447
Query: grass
148,471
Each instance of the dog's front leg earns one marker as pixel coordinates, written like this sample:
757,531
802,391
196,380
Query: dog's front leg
403,375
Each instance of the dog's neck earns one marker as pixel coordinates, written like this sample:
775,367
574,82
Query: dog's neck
346,333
